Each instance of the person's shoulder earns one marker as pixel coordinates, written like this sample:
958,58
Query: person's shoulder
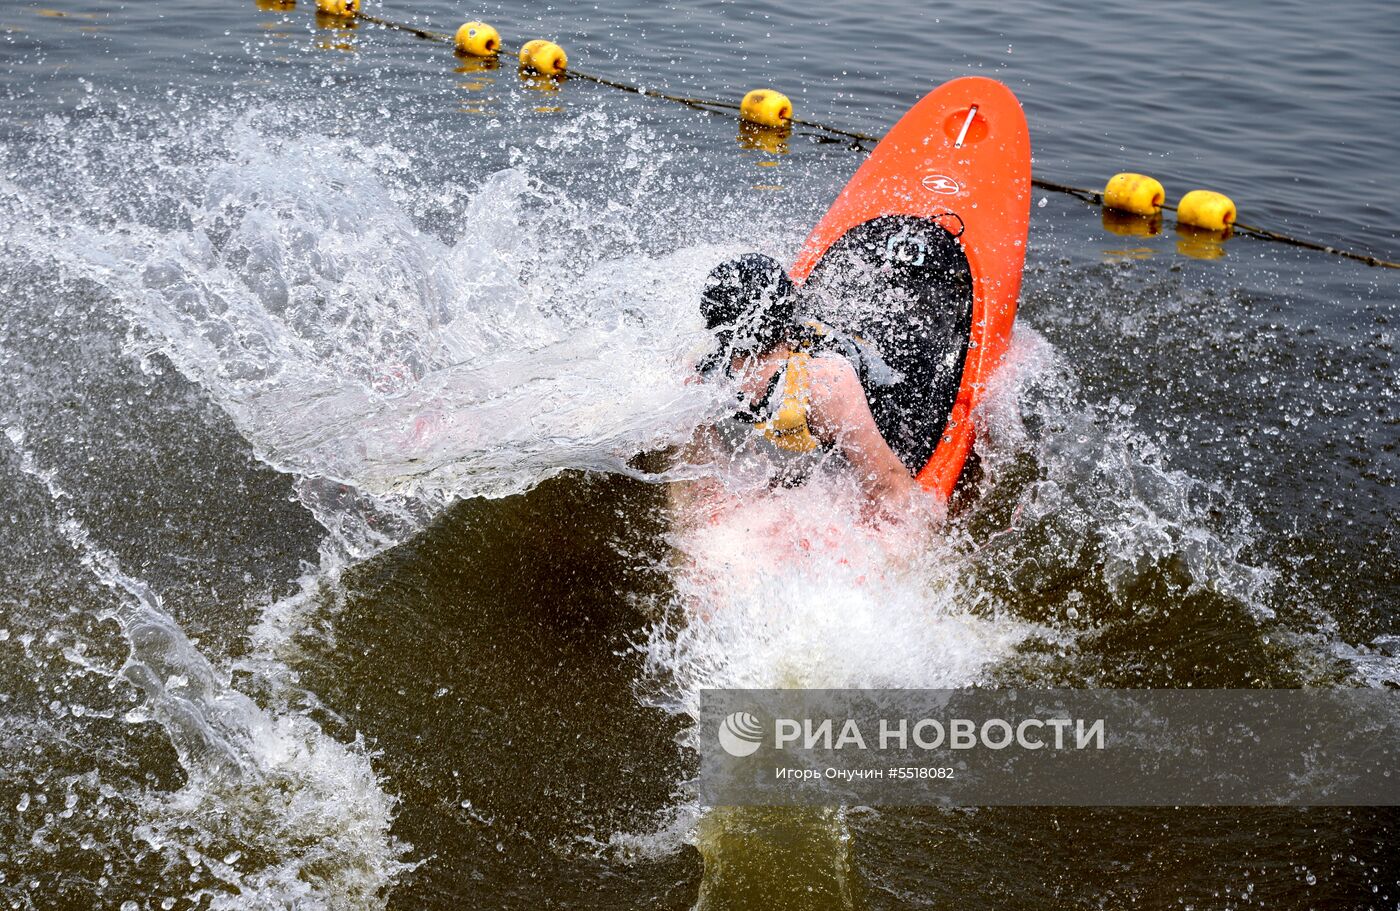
829,361
832,370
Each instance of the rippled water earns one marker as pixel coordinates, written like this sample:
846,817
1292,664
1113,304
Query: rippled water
331,576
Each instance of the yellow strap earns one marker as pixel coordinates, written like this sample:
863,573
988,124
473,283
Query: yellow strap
788,428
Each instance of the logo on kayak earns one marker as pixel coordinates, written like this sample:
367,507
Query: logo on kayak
740,734
940,183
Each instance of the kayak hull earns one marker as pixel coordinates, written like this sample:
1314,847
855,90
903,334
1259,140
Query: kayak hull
922,253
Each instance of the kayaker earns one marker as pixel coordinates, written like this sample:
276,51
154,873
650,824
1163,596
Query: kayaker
801,402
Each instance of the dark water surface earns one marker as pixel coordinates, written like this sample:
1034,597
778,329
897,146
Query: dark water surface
324,356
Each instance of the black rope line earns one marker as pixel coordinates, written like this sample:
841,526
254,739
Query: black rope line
860,140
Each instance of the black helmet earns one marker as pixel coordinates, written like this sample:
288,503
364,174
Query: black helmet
749,303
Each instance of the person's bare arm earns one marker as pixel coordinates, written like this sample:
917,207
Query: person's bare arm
690,499
839,413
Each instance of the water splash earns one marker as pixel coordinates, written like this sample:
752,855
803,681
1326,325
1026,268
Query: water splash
1108,492
793,590
309,817
790,588
349,345
389,371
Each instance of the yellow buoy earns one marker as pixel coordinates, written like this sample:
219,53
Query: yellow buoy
338,7
477,39
1206,209
766,108
1135,193
544,57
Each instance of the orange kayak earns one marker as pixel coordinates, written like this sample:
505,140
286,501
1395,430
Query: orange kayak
921,257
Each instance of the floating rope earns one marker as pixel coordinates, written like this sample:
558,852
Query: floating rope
859,141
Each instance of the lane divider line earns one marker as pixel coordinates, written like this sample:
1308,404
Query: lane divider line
860,140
